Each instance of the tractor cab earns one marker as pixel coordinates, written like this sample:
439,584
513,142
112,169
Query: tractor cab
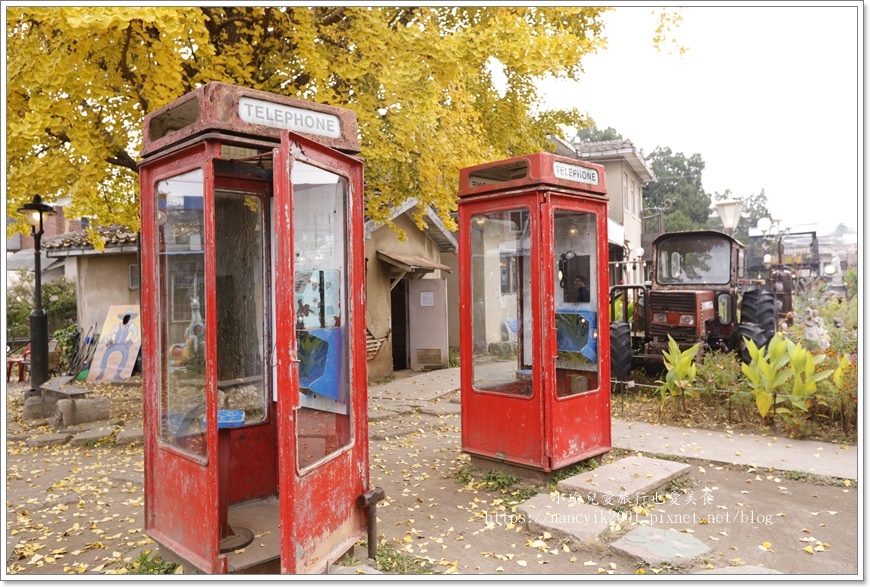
693,295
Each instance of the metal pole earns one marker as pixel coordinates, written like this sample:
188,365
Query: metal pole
38,319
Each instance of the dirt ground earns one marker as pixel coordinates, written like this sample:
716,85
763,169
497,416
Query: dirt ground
79,510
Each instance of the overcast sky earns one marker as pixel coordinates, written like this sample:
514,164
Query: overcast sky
771,98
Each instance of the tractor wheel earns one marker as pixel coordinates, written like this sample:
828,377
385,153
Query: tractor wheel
759,307
620,350
749,331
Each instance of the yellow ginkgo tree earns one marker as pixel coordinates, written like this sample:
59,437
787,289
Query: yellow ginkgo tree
422,81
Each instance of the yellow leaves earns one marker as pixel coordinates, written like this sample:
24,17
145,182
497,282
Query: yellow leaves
422,91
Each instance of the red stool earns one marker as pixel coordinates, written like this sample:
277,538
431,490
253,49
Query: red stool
10,363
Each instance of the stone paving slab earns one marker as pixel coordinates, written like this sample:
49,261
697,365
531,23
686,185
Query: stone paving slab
657,545
631,477
560,517
742,570
124,477
92,436
358,570
442,409
378,415
426,386
48,440
129,436
385,432
785,454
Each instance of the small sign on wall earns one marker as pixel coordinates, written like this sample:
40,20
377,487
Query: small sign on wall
427,298
429,356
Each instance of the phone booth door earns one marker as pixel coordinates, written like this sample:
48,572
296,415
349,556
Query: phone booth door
320,352
502,293
575,312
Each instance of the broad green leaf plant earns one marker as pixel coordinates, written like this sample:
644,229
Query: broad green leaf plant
766,372
681,372
773,367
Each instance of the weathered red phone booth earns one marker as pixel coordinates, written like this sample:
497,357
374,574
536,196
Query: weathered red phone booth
535,364
254,360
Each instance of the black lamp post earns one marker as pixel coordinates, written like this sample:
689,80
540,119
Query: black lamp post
34,212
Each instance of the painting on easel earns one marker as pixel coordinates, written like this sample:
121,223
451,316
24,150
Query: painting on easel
119,345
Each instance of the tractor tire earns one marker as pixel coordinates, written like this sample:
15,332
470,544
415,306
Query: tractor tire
620,350
749,331
759,307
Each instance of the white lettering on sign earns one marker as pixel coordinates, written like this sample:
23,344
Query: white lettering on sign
296,119
476,181
575,173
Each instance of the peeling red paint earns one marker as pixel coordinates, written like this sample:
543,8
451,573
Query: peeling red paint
535,427
318,515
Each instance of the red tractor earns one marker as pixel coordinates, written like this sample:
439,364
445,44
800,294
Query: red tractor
698,293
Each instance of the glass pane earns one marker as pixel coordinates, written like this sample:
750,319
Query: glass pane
320,244
576,275
240,296
501,292
182,329
695,260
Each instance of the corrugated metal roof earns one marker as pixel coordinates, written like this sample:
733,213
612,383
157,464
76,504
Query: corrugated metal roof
24,259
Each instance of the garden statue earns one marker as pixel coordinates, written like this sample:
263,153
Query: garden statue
814,332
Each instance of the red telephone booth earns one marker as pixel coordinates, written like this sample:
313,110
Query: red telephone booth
254,360
533,285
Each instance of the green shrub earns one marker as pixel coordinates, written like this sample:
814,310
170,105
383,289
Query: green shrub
681,373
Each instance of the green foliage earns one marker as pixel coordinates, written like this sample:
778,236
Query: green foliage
575,469
804,376
840,393
150,565
766,372
67,340
593,134
498,480
681,374
841,323
679,180
58,301
453,358
463,475
390,560
719,370
850,280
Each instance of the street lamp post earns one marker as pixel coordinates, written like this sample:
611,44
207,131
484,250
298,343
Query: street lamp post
34,213
729,213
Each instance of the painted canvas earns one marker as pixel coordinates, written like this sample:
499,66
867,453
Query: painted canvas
119,345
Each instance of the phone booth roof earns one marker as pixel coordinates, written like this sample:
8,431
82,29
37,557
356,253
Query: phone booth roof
533,171
247,113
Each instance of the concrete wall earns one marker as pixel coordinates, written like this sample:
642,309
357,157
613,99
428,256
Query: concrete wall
452,260
378,306
103,282
631,220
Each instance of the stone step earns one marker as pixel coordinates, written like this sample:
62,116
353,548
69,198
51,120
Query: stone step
741,570
657,545
566,518
93,436
623,482
442,409
48,440
129,436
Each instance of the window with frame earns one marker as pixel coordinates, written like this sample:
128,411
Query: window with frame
508,269
625,195
633,198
